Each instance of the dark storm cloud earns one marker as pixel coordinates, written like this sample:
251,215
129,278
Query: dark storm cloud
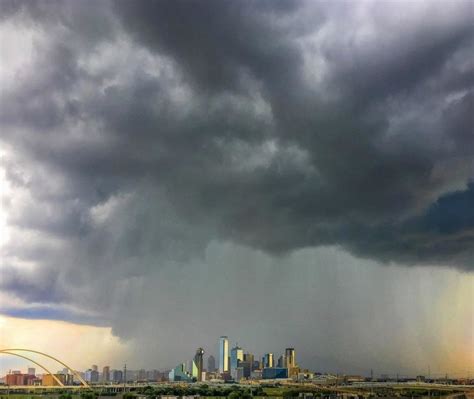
141,131
445,229
364,177
43,289
217,42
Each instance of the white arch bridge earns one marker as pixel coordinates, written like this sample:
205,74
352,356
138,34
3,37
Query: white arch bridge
25,353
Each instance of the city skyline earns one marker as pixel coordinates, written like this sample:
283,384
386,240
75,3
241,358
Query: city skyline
115,375
236,355
292,173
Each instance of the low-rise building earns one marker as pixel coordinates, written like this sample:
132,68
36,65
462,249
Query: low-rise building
238,373
49,380
353,379
256,375
179,373
271,373
19,379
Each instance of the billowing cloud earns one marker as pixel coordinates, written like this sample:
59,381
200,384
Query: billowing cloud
138,135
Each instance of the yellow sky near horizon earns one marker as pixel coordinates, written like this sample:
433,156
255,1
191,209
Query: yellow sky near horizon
454,317
77,345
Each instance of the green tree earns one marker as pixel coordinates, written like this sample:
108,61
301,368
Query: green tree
88,395
238,394
291,393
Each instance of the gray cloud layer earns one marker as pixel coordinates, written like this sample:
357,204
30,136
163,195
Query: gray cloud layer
137,133
261,120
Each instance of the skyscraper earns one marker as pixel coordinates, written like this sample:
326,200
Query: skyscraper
256,365
193,371
117,376
236,356
211,364
268,360
281,361
198,360
31,371
290,358
248,357
91,375
223,354
106,374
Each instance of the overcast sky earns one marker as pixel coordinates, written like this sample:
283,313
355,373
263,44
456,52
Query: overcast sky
287,173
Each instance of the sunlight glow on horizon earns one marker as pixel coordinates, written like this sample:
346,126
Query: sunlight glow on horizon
78,345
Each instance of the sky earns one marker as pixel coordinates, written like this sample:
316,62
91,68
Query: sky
287,173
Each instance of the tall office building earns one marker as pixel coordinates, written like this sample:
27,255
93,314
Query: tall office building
199,360
91,375
290,358
268,360
117,376
236,356
211,364
193,371
95,368
248,357
106,374
223,354
256,365
31,371
247,364
281,361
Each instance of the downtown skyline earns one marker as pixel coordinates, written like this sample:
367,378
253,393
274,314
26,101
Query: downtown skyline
291,172
238,366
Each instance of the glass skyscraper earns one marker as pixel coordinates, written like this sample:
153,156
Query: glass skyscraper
198,360
223,354
290,358
236,356
211,364
268,360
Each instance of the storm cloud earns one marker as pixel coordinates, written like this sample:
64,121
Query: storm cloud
137,135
